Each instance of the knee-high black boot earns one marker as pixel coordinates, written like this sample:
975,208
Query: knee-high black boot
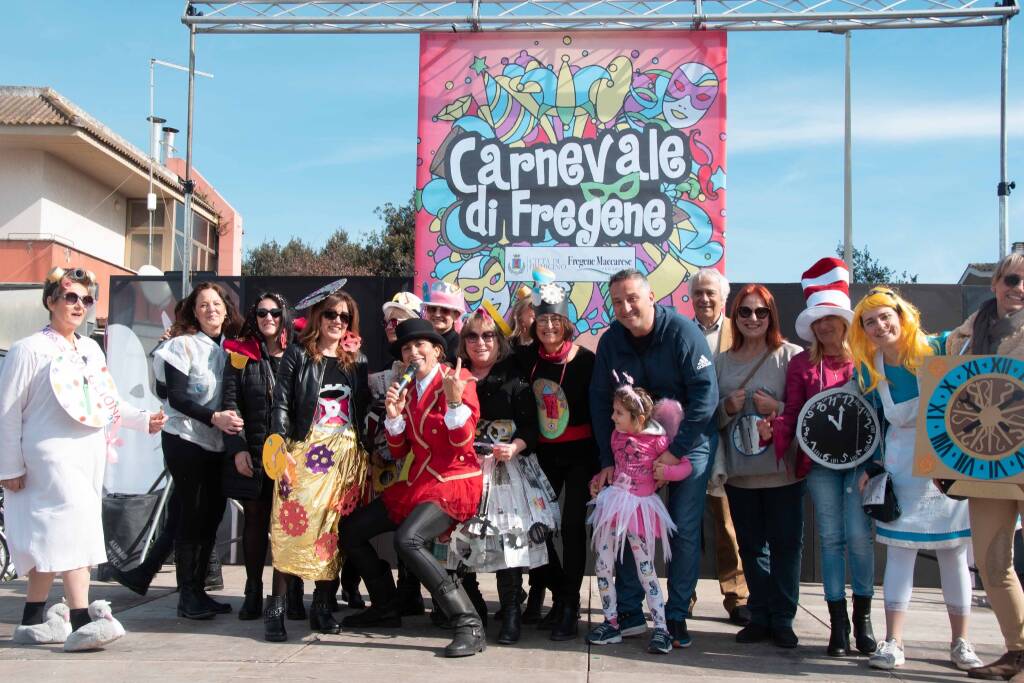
839,639
410,598
383,610
469,629
472,588
190,603
350,587
863,634
206,551
510,585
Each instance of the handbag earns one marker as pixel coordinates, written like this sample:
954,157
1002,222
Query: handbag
879,498
744,456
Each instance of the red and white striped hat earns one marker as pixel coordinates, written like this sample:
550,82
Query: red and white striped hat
827,291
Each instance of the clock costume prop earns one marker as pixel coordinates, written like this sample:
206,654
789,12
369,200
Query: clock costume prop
838,429
971,423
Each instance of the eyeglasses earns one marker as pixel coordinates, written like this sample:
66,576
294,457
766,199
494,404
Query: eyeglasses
335,315
760,312
390,323
1011,280
268,312
486,337
549,321
71,298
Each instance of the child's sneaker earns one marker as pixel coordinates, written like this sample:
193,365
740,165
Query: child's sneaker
604,634
632,624
661,642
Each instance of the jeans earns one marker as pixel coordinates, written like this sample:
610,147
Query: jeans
686,506
842,525
770,529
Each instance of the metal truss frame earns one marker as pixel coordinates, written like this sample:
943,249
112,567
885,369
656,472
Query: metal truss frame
293,17
417,16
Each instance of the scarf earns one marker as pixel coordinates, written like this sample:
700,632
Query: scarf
990,330
559,356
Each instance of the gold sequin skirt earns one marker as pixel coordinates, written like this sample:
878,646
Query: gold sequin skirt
327,482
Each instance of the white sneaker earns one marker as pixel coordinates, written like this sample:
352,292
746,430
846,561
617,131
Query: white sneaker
962,654
888,655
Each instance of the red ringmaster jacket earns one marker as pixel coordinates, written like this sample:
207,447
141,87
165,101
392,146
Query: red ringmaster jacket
445,455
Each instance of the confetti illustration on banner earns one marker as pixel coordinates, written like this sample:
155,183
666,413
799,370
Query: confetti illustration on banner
573,153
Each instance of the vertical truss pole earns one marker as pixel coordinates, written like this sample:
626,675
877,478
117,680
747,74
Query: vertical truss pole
847,161
186,256
1004,186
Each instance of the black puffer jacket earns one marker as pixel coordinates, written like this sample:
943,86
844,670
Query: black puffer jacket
298,387
248,392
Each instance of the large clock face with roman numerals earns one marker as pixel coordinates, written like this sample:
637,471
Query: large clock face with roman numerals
838,429
975,418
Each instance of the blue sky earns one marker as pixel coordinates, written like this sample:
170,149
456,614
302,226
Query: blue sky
304,134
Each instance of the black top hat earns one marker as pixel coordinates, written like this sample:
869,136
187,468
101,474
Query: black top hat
550,298
413,329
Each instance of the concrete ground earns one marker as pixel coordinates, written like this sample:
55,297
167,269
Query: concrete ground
162,647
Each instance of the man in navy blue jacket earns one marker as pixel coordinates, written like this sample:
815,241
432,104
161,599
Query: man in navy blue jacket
667,355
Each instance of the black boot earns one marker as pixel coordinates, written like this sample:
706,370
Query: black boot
534,603
320,617
469,629
510,585
252,606
273,620
203,561
295,607
350,587
383,610
839,640
551,618
567,625
863,635
437,616
472,588
410,598
190,603
214,578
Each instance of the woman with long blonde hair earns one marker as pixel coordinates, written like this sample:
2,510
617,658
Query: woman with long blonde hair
889,347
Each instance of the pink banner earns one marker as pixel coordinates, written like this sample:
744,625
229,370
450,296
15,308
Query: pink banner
571,152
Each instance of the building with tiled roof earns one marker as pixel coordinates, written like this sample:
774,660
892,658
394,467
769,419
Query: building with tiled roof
981,273
73,193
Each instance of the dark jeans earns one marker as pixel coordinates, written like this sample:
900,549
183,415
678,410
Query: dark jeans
770,531
425,523
197,487
568,466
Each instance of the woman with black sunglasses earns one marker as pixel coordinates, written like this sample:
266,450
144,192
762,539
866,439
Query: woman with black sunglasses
998,328
315,453
59,411
248,390
765,493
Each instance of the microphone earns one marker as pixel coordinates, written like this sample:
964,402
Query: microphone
405,379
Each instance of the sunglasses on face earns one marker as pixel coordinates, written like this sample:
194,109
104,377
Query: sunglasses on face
390,323
72,298
335,315
265,312
746,311
486,337
1011,280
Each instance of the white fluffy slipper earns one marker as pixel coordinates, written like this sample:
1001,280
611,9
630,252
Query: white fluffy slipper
55,629
102,630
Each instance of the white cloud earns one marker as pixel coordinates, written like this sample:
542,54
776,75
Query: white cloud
755,128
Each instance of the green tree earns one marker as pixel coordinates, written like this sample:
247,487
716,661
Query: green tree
389,251
868,269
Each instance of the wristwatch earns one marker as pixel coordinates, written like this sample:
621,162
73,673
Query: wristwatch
452,405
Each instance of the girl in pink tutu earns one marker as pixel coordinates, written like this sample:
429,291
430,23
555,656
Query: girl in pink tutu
630,510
